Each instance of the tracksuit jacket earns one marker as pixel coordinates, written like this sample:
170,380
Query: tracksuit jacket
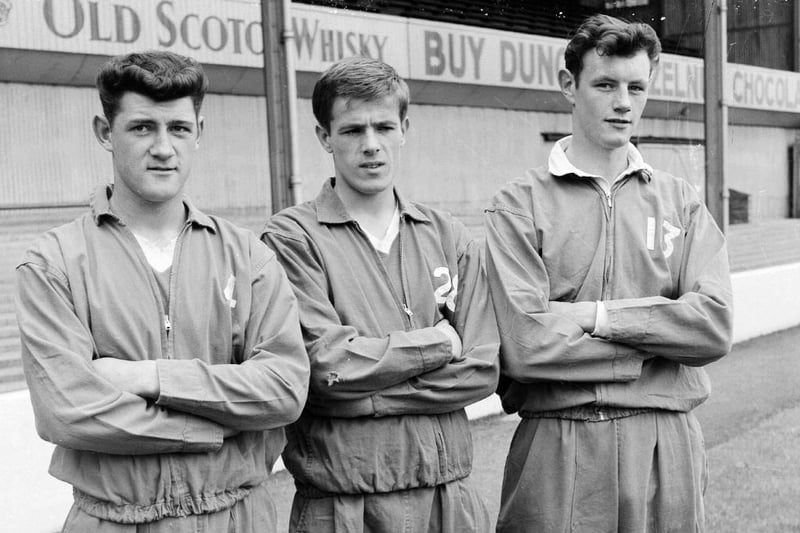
649,250
385,406
228,348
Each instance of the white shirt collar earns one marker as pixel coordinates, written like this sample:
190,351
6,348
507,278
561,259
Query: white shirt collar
384,244
559,165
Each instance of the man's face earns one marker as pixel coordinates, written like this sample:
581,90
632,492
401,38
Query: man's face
364,137
153,144
609,98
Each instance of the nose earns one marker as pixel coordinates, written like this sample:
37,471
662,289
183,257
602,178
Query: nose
162,145
622,102
370,142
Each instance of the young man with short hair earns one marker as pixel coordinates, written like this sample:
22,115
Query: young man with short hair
161,346
398,325
611,285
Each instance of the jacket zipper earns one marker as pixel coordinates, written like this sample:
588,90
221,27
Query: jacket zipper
404,274
608,263
402,303
167,349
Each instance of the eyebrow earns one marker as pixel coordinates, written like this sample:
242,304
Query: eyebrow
148,120
350,125
607,78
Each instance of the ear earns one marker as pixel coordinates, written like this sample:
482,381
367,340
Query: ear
567,83
102,130
324,138
200,124
404,125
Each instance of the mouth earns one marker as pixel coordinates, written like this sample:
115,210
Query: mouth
618,122
371,165
162,169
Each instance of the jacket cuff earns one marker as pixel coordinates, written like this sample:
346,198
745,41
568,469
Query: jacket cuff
201,435
627,367
627,323
176,385
438,354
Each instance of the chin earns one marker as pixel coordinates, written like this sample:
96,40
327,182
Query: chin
615,143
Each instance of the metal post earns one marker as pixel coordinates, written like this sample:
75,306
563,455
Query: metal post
281,92
716,110
796,35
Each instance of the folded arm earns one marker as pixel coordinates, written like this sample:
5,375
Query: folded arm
464,380
346,365
266,390
540,343
74,405
696,327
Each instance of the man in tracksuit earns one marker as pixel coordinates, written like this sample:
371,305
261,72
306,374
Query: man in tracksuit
611,286
161,346
397,322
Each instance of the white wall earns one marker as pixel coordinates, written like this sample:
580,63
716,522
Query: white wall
765,301
50,154
456,157
30,499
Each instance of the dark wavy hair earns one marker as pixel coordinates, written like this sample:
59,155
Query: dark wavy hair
611,37
158,75
357,77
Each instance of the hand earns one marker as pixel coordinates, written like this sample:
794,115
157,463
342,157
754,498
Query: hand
452,334
582,313
137,377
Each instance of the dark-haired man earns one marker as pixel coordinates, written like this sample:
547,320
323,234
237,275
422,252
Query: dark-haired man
398,326
611,286
161,345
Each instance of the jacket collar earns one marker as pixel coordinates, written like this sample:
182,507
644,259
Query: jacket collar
101,208
331,210
559,165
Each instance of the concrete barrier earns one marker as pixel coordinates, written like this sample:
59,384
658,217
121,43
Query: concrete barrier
765,301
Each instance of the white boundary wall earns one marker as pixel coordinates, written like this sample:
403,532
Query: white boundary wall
765,301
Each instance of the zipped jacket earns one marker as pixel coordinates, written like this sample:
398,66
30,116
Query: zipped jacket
386,397
228,348
649,250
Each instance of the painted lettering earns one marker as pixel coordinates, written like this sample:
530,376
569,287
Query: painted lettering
77,18
476,49
667,81
796,95
254,38
780,92
167,24
677,80
185,31
460,55
94,24
434,58
209,35
530,63
236,29
127,24
526,74
457,61
508,62
379,44
694,80
303,38
212,32
333,45
548,64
